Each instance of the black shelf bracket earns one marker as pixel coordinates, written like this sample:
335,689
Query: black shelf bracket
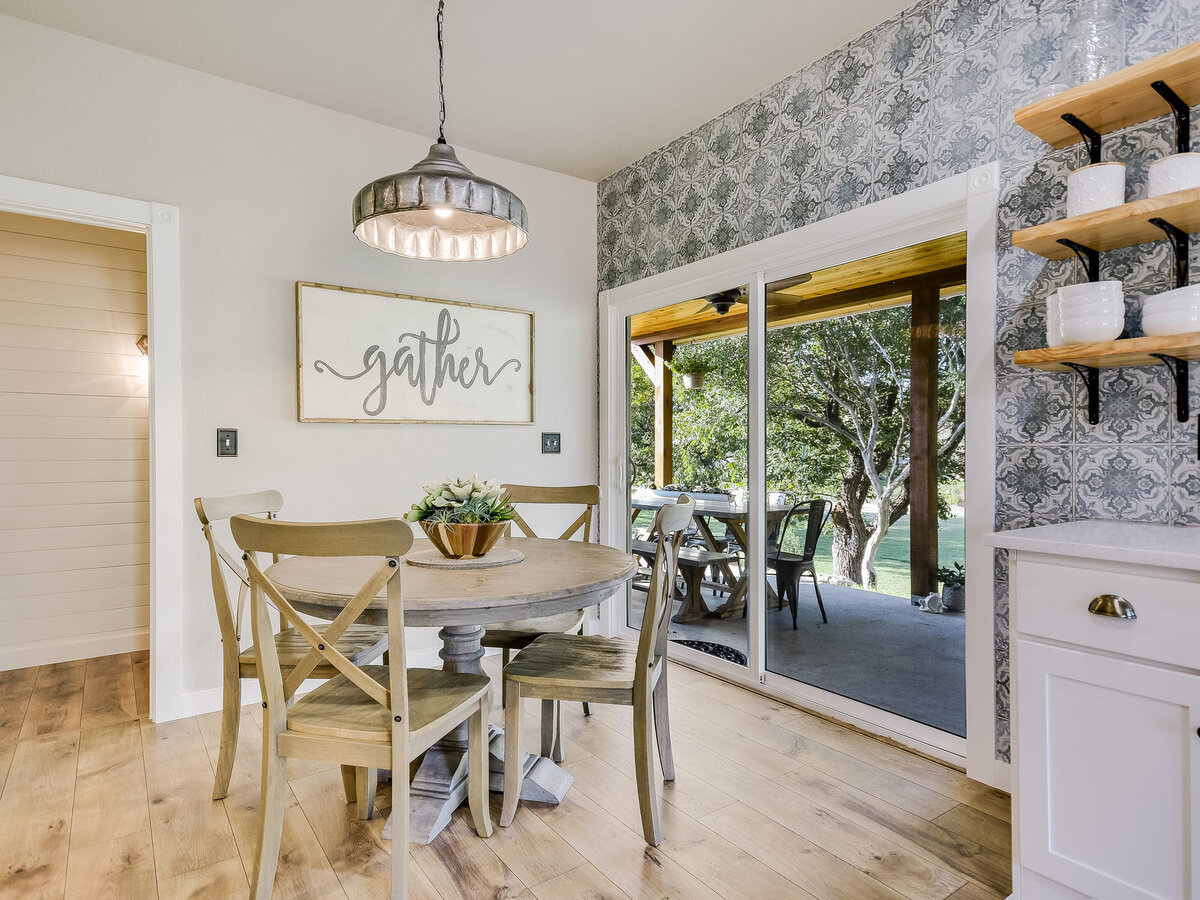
1179,374
1090,376
1091,136
1089,257
1179,244
1183,116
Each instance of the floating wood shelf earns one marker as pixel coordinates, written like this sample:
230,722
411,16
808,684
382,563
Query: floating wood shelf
1117,100
1112,354
1109,229
1174,351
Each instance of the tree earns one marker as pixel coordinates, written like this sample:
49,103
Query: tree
837,419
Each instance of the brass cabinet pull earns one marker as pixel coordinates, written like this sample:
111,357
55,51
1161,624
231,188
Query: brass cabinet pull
1112,605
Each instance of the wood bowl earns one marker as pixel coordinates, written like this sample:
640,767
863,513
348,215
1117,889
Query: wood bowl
463,541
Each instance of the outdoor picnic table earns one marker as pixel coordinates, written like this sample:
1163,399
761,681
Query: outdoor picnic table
734,517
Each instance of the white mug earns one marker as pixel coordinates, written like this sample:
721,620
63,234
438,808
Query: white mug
1174,173
1095,187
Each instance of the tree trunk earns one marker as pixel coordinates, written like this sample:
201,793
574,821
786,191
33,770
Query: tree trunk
879,531
850,531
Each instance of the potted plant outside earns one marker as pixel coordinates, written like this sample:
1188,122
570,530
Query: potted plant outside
954,587
691,369
463,518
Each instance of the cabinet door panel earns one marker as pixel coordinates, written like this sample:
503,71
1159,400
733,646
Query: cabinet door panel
1109,764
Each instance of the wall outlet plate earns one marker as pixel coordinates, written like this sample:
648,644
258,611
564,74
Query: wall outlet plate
226,442
551,442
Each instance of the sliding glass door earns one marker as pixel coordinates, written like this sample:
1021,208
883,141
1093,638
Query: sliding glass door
688,399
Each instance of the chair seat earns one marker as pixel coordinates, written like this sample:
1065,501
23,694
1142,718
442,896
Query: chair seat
576,661
339,708
360,644
559,624
790,559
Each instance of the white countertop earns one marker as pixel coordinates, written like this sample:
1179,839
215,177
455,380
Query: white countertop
1140,543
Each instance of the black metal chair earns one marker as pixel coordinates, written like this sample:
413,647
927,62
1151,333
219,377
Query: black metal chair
790,566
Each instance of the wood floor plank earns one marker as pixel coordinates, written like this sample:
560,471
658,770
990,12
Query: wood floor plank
190,830
874,780
116,664
35,817
585,882
141,686
356,850
118,867
885,861
16,688
988,831
972,891
108,699
303,869
460,866
110,787
56,703
617,851
533,851
819,872
912,832
6,755
223,879
718,863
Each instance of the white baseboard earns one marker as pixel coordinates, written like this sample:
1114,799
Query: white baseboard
43,653
197,703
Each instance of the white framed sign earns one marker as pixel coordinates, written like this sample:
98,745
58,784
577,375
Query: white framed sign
367,356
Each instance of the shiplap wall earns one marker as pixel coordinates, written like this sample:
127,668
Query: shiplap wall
74,442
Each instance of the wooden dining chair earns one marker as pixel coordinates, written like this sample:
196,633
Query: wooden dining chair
374,717
511,636
360,643
607,670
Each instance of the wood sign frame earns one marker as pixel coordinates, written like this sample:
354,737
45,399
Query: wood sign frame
370,356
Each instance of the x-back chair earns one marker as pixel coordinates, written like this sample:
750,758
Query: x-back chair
378,716
607,670
512,636
360,643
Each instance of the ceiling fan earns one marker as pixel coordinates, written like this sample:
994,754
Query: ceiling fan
724,301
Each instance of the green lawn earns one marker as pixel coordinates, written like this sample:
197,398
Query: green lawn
891,563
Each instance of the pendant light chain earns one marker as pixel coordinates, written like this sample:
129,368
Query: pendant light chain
441,14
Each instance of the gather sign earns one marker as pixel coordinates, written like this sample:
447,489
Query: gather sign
366,356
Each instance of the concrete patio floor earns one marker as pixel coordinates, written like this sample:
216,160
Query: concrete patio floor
876,648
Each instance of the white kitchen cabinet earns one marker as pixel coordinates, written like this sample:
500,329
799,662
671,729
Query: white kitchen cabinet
1105,711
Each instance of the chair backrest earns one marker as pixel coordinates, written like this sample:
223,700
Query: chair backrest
670,523
586,494
218,509
817,514
387,539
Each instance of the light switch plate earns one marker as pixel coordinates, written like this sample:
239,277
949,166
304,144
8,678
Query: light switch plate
551,442
227,442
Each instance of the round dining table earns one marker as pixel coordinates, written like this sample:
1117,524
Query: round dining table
554,577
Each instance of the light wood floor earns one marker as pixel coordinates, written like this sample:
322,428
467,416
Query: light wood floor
95,801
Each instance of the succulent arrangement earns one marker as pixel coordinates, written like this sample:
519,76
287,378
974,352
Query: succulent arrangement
462,501
952,577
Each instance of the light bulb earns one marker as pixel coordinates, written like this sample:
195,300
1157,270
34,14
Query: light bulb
443,213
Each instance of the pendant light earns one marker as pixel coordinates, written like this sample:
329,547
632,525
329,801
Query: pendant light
440,209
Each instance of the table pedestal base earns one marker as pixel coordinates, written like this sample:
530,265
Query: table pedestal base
440,785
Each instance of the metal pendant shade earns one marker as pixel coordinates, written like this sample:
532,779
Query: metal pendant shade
440,209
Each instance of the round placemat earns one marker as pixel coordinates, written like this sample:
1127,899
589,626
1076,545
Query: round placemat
433,559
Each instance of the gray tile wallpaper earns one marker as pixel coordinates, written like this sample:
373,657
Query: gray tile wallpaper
929,94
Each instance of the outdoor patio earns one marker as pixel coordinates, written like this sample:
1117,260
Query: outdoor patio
877,648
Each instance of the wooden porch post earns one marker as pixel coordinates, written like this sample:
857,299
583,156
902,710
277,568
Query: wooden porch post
664,421
923,444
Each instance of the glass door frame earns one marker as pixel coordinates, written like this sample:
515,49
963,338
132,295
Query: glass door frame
966,202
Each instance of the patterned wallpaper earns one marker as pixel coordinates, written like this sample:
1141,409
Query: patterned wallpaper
929,94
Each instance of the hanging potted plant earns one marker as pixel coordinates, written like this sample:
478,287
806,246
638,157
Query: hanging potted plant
691,368
954,587
463,518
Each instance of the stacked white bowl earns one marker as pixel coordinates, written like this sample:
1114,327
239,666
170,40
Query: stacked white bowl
1172,312
1085,313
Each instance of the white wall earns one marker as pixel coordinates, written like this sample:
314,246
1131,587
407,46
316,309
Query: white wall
264,186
